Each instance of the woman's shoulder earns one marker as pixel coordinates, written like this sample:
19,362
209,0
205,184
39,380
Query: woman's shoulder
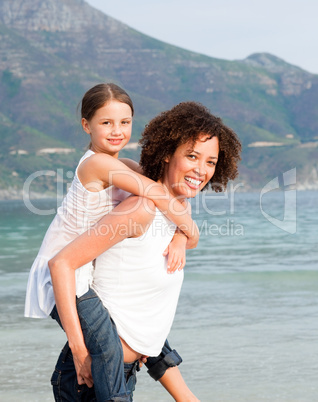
135,214
139,204
140,209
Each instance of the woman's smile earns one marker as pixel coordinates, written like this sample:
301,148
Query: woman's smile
193,183
190,168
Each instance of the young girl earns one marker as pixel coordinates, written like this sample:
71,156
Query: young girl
101,181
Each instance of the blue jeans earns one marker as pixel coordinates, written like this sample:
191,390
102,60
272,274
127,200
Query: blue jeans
104,346
66,388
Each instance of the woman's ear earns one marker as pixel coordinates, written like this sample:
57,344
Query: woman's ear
85,126
167,159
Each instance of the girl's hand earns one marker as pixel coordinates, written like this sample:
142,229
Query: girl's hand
193,241
176,252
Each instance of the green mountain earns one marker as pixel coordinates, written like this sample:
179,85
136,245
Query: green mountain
52,51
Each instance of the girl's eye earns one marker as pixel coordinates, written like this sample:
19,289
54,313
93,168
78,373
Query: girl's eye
106,122
193,157
125,122
211,163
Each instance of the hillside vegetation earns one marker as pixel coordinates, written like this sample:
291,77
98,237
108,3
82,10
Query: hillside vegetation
52,51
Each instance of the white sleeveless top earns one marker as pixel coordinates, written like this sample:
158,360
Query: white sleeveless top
132,281
80,209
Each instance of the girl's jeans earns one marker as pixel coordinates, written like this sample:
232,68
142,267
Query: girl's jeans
113,380
66,388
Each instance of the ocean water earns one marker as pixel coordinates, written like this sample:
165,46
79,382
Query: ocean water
247,319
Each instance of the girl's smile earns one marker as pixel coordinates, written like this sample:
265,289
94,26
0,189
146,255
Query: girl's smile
109,128
114,141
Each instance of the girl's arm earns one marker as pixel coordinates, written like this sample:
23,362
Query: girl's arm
176,250
83,250
133,165
174,383
101,170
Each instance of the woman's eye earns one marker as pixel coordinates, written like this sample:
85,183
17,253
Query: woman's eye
192,157
211,163
125,122
106,123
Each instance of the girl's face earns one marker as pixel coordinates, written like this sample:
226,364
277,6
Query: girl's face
109,128
190,168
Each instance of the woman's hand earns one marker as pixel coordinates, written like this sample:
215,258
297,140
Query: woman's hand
143,360
82,362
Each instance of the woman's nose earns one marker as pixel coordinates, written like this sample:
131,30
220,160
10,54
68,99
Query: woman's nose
200,170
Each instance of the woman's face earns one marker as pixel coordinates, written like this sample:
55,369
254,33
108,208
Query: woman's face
190,168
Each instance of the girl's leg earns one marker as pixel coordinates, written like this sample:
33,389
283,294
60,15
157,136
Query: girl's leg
104,345
131,376
64,381
157,366
66,388
105,348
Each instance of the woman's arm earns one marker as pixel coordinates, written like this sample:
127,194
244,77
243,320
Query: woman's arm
65,295
110,230
101,170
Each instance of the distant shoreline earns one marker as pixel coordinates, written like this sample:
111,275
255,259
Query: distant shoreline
12,194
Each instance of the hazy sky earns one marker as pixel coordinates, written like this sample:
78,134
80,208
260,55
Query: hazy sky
227,29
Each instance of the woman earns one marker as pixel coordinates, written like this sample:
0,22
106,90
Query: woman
182,149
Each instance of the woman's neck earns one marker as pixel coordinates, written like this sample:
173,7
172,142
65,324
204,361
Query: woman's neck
180,198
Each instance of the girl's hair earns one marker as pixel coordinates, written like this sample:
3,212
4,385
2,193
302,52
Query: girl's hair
100,94
187,122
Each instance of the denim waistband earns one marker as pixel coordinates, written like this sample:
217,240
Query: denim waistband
90,294
132,368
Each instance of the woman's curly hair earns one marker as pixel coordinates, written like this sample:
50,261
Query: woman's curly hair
185,122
